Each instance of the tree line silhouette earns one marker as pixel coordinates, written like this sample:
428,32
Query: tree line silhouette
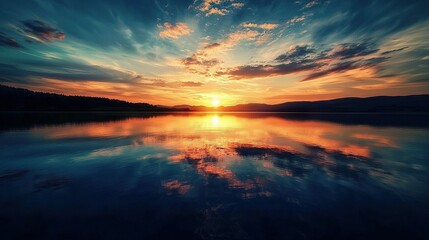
18,99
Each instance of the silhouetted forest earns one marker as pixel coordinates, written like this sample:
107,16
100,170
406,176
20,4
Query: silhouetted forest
18,99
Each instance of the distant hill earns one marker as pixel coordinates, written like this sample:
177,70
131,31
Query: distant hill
413,103
18,99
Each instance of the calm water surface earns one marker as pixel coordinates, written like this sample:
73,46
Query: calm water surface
214,176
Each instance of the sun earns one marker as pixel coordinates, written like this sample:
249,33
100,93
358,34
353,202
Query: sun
215,102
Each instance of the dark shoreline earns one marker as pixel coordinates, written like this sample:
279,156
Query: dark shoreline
16,120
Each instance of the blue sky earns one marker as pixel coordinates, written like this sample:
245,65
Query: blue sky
236,51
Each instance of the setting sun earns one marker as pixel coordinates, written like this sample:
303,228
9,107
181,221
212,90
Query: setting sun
215,102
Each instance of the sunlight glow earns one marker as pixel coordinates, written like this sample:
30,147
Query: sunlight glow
215,121
215,102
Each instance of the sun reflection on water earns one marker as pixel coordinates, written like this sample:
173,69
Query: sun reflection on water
213,143
215,121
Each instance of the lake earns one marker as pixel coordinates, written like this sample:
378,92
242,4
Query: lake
214,176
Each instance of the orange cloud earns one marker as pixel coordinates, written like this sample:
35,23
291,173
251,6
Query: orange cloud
175,186
206,4
175,31
299,19
217,11
217,7
243,35
265,26
203,60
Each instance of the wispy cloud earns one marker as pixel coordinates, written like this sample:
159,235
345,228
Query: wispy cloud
306,59
298,52
191,84
311,4
298,19
257,71
41,32
217,7
393,51
238,36
217,11
198,59
237,4
65,70
266,26
350,50
8,41
174,31
203,60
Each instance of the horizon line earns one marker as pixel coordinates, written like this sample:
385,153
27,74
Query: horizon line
212,107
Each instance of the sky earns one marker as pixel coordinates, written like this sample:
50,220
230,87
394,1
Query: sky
205,52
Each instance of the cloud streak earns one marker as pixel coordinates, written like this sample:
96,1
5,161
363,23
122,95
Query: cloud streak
265,26
41,31
249,72
64,70
305,58
296,53
350,50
